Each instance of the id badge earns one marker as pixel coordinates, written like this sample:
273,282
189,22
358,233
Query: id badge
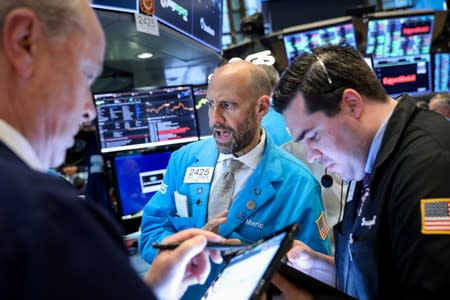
198,175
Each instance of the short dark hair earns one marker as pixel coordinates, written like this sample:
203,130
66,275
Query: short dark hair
322,76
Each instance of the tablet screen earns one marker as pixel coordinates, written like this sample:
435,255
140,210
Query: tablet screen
245,275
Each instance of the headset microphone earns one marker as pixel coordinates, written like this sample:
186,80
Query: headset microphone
326,180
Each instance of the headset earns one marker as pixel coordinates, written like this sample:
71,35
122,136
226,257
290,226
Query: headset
326,180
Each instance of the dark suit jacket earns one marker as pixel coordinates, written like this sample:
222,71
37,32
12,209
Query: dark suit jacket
55,245
384,249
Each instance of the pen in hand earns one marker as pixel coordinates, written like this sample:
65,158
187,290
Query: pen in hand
210,245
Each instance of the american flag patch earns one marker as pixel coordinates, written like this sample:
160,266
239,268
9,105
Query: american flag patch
435,216
321,223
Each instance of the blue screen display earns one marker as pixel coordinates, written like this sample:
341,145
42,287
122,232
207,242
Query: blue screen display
138,177
442,72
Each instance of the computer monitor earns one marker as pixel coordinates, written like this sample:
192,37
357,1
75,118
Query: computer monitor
142,119
137,177
410,74
304,38
397,4
201,110
441,72
393,35
400,43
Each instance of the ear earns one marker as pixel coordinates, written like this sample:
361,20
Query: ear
18,36
352,102
262,106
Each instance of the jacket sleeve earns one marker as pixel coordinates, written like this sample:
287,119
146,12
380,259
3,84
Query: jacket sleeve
306,200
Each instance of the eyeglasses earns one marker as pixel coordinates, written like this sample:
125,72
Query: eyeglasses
333,85
324,70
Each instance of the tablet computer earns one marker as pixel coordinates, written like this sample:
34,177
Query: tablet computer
317,288
247,273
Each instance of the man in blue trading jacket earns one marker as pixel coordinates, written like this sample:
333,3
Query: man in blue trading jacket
272,189
394,238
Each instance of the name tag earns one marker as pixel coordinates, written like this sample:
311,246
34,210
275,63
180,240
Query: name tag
198,175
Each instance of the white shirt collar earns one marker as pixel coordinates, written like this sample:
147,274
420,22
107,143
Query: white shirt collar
251,158
20,146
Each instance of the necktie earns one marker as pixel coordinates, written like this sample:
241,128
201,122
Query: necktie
221,196
365,191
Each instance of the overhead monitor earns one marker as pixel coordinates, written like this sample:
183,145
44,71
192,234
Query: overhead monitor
441,72
116,5
400,44
397,4
408,74
132,120
399,35
199,19
201,110
304,38
137,177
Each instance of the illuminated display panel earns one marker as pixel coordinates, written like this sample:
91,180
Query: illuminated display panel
138,177
400,36
145,119
199,19
396,4
400,47
306,39
408,74
442,72
201,110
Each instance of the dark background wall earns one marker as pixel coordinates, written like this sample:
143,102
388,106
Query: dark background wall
287,13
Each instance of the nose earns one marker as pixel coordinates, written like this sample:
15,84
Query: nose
215,115
90,112
312,154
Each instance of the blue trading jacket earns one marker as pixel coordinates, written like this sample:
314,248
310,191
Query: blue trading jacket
280,191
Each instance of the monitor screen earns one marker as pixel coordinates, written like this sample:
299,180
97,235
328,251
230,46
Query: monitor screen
146,118
399,35
305,40
408,74
397,4
442,72
199,19
137,177
201,111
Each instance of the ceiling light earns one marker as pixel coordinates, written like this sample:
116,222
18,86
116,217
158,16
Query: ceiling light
145,55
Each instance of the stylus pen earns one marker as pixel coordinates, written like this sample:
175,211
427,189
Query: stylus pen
210,245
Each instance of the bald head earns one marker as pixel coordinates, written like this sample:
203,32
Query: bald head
239,97
441,104
249,78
